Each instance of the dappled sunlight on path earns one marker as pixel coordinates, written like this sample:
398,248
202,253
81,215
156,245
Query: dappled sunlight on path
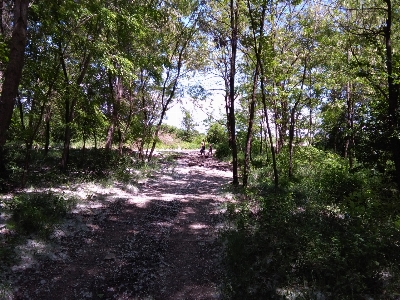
155,241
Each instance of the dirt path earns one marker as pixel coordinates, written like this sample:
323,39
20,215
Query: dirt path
157,241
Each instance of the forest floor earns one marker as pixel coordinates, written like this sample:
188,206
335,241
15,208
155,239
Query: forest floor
156,240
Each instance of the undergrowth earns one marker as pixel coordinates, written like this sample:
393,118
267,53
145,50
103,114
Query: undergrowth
37,212
329,234
89,165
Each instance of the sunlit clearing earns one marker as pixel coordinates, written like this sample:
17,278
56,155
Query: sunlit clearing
198,226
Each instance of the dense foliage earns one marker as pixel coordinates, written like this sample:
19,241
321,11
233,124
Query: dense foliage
330,234
312,96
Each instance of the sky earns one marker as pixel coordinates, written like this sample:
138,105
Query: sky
199,112
200,109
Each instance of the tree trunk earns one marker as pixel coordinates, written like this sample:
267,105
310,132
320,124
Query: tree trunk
95,139
257,51
13,71
264,101
12,75
169,98
2,23
281,120
349,137
158,127
293,120
273,152
231,117
70,107
120,141
110,135
145,129
261,137
116,93
394,91
47,130
21,112
249,136
276,123
66,146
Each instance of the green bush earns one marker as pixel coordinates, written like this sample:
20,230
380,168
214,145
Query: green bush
217,134
222,151
331,234
37,212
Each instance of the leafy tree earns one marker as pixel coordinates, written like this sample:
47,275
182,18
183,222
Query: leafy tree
218,137
188,125
182,34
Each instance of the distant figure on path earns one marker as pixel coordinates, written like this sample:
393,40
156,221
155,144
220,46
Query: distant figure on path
203,148
210,149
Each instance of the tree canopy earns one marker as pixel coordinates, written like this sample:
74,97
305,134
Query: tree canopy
311,93
106,72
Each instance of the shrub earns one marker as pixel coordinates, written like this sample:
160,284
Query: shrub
37,212
331,234
217,134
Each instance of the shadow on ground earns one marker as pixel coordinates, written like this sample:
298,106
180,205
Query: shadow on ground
160,242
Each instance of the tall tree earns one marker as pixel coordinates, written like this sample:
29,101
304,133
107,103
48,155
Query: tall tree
257,27
393,81
180,57
374,25
234,26
13,72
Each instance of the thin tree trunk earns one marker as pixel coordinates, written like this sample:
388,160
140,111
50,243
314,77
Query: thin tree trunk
394,91
257,50
293,120
231,118
261,137
281,125
265,109
165,105
2,25
145,130
31,137
273,152
70,107
95,139
47,137
47,130
115,96
349,121
348,146
276,123
21,113
266,143
84,141
158,127
271,142
249,135
120,141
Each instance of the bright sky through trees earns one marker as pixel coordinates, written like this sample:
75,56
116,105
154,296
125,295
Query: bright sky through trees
201,110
